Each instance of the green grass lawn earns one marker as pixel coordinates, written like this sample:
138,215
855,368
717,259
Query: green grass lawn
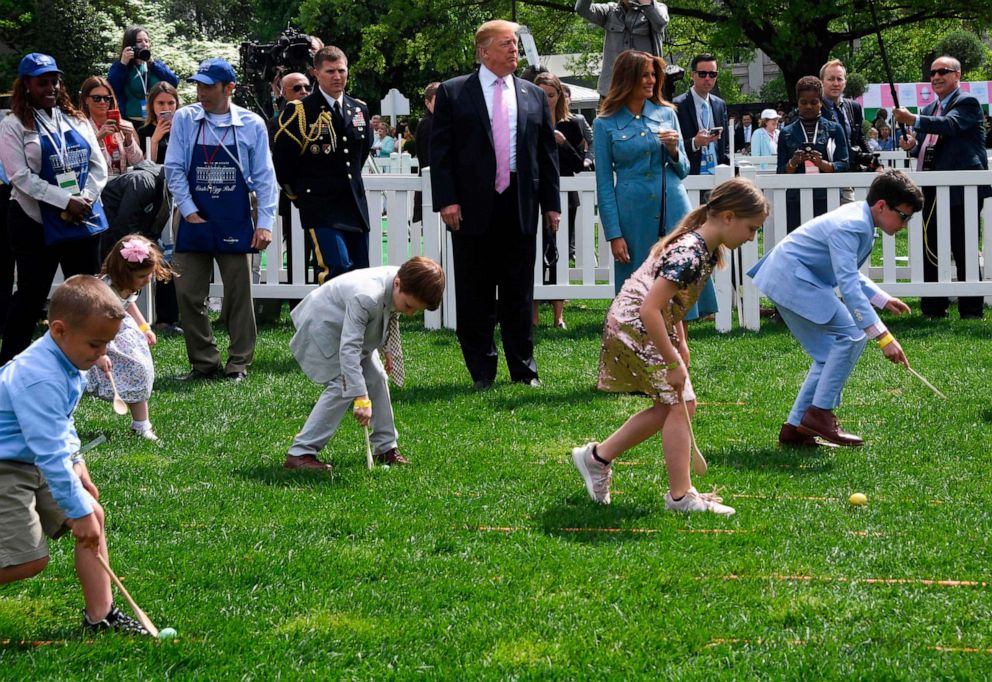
486,559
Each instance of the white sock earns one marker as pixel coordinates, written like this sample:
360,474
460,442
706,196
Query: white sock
142,425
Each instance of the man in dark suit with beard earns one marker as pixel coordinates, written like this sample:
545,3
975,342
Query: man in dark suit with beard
493,160
320,147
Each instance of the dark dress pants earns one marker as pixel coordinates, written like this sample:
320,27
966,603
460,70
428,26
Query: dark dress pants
936,306
6,259
501,259
36,267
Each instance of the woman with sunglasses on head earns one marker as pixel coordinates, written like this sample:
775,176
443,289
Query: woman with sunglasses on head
53,161
163,100
134,74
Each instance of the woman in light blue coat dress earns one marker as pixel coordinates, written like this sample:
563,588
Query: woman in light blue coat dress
640,163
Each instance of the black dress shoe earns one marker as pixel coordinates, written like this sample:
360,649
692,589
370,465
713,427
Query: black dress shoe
237,377
197,375
483,385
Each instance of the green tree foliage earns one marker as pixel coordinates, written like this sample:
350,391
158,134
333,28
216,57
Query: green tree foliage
965,47
77,34
212,19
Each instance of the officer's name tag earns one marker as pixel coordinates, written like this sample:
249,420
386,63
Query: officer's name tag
69,182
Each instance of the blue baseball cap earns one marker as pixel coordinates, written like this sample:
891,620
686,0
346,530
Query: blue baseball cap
36,64
213,70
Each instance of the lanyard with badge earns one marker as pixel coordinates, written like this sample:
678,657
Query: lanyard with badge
808,148
141,75
67,179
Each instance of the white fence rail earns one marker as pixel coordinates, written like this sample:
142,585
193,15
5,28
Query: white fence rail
395,238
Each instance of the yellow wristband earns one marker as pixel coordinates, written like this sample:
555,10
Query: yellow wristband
359,404
886,339
672,365
145,327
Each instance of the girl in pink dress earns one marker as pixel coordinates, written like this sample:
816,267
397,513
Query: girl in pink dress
644,342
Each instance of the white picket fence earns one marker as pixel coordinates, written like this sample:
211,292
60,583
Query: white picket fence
591,276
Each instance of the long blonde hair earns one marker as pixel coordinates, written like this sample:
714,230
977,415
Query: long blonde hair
740,196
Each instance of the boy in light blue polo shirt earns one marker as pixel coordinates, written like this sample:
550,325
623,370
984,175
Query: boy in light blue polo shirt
45,488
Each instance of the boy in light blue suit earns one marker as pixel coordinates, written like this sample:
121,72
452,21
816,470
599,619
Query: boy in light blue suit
800,274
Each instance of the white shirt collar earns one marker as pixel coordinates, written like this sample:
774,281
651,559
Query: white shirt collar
699,99
332,100
487,77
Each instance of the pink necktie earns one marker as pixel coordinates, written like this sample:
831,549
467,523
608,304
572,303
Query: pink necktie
501,138
927,141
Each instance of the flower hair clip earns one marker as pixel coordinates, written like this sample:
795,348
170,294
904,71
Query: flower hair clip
134,251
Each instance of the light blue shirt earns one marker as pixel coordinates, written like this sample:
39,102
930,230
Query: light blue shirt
486,79
39,391
253,157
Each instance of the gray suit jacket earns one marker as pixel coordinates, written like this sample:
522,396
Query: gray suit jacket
342,322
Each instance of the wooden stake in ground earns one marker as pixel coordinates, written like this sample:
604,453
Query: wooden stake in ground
696,459
145,621
928,384
368,450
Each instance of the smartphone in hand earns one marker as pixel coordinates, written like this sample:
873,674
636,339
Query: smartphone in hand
715,131
114,115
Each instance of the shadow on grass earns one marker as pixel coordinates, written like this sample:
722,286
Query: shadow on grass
808,460
272,473
576,512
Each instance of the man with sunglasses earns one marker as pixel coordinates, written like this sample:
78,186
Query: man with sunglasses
800,275
948,134
703,119
320,147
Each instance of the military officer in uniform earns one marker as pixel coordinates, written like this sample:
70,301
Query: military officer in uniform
320,146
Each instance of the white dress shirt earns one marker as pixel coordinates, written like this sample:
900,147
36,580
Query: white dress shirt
487,78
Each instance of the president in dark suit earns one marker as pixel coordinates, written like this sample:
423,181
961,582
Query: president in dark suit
320,146
948,134
493,161
699,112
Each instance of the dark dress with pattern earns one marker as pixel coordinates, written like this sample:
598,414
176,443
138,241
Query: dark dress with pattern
629,361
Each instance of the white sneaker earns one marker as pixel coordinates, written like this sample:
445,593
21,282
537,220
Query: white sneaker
147,434
695,501
597,475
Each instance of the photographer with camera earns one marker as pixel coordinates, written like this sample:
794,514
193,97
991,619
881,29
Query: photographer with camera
133,75
810,144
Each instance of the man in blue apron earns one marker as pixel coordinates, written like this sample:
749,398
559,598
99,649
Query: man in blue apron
218,156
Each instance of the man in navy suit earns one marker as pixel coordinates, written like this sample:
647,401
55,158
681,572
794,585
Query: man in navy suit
699,112
493,160
320,146
949,134
800,275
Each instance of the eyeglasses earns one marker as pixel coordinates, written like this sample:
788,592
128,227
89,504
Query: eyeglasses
941,72
300,87
902,216
706,74
102,98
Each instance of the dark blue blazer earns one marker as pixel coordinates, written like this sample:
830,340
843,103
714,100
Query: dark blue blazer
463,159
685,105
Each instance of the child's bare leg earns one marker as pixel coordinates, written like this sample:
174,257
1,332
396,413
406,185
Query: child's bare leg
92,578
559,311
23,571
637,429
139,411
675,443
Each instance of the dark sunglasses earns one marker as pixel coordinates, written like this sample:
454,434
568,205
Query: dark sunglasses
300,87
902,216
706,74
102,98
941,72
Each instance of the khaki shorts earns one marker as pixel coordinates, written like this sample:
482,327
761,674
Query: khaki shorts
29,513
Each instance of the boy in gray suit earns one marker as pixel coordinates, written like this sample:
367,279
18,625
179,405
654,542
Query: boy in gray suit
339,326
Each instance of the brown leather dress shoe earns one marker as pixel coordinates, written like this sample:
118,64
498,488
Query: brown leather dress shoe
823,423
305,462
391,457
790,436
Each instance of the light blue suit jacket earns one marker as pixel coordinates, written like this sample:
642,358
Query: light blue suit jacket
801,272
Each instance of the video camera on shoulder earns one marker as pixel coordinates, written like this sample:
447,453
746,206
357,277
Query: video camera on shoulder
861,160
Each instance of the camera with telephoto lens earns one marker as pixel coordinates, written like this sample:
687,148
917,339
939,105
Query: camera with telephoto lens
673,75
143,54
862,160
261,63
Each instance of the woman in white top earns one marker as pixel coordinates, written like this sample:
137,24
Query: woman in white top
764,140
57,171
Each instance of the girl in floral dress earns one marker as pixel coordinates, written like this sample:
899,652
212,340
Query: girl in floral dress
129,266
644,343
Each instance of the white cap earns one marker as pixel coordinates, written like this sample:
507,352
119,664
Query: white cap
769,114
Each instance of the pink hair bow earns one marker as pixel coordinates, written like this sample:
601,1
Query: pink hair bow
134,251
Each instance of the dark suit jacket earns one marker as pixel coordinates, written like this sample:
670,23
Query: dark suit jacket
422,137
686,107
855,116
961,138
327,184
463,159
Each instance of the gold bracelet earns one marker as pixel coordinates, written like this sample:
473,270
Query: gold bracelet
672,365
886,339
359,404
145,327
